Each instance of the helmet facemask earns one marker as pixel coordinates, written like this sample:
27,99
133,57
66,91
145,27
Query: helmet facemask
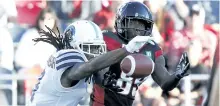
92,49
132,27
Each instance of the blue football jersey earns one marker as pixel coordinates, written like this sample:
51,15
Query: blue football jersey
49,91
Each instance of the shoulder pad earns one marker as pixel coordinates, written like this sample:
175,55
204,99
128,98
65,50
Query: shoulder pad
68,58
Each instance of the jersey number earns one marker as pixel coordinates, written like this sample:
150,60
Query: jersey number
51,62
129,84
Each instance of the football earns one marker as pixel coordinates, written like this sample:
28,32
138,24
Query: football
137,65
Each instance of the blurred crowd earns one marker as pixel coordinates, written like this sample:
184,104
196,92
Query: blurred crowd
191,26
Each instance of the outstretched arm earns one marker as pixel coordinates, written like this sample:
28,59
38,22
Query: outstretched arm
85,69
98,63
166,80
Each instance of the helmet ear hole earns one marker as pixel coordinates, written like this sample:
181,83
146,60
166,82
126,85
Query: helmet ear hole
80,45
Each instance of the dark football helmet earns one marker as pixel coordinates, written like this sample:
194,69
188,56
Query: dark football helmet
133,19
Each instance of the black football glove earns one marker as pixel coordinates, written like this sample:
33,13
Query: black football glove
183,66
110,82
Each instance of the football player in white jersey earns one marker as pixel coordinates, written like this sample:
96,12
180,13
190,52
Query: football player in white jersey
81,51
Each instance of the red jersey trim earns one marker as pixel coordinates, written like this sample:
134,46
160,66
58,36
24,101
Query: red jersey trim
158,53
99,94
111,43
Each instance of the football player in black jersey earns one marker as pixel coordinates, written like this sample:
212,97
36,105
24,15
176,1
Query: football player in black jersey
111,86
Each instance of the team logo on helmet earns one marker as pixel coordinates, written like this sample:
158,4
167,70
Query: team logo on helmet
70,32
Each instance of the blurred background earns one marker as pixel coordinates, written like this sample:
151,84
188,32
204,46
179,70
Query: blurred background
191,26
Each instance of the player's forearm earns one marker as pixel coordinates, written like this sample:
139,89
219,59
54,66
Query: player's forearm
163,78
100,62
108,59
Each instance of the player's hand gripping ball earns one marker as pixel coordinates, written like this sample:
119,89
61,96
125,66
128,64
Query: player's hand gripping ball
137,65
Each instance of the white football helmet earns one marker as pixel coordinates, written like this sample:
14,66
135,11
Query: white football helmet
86,36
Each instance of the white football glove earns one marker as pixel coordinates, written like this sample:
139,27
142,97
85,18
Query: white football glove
137,43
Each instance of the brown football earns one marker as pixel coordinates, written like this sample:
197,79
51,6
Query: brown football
137,65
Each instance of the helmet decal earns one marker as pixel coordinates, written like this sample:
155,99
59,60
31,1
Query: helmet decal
69,33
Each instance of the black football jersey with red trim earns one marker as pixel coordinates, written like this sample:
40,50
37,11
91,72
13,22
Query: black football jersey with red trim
111,86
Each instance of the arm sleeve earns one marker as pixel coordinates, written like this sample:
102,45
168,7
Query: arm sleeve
63,61
162,77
